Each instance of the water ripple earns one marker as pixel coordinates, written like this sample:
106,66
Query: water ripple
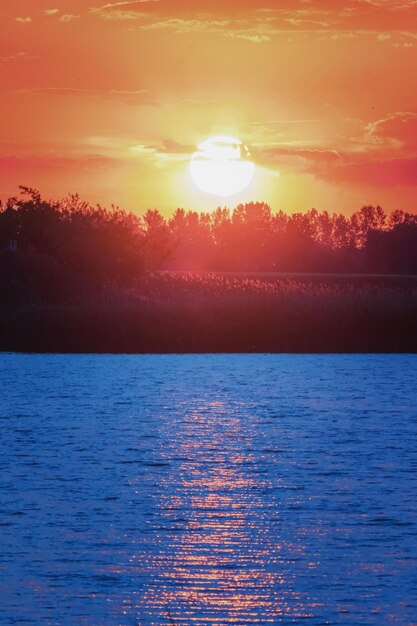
208,490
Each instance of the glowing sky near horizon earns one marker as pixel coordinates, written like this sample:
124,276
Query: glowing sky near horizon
111,99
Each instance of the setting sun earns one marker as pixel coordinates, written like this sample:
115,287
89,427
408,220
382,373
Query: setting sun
222,166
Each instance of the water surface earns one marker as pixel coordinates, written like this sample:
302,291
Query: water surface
208,490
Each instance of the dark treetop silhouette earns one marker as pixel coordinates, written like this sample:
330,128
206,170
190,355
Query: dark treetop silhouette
78,277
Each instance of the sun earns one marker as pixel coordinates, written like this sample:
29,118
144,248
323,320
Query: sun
222,166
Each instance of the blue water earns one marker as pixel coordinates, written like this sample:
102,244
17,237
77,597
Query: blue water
208,490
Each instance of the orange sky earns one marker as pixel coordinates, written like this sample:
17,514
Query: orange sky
109,100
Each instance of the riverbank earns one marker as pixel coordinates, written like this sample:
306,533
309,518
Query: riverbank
188,313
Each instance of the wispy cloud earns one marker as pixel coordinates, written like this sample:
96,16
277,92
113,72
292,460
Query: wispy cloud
123,147
188,25
116,11
17,56
122,15
164,153
397,131
249,22
388,172
23,20
230,28
306,23
254,38
380,153
68,17
122,3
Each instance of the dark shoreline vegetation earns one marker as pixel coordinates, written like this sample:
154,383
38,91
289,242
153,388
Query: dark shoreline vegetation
76,278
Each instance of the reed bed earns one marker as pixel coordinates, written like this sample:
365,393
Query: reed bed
209,312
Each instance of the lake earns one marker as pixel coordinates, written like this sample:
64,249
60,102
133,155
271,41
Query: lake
208,489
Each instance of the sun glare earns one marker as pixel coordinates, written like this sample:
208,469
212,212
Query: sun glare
222,166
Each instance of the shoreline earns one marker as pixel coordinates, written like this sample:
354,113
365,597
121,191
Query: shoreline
180,313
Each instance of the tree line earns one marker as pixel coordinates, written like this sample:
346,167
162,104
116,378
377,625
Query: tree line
61,247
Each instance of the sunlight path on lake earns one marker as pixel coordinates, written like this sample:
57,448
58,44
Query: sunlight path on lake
208,490
218,554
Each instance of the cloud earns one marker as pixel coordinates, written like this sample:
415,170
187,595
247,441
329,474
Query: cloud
258,24
401,172
306,23
51,11
382,154
167,151
258,27
188,25
354,17
296,159
17,56
170,146
122,15
113,10
23,20
231,28
67,17
342,169
122,3
248,37
397,131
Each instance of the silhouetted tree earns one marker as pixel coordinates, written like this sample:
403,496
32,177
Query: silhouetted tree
69,247
158,242
53,251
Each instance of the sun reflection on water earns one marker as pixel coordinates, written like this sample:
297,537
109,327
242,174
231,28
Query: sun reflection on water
214,554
